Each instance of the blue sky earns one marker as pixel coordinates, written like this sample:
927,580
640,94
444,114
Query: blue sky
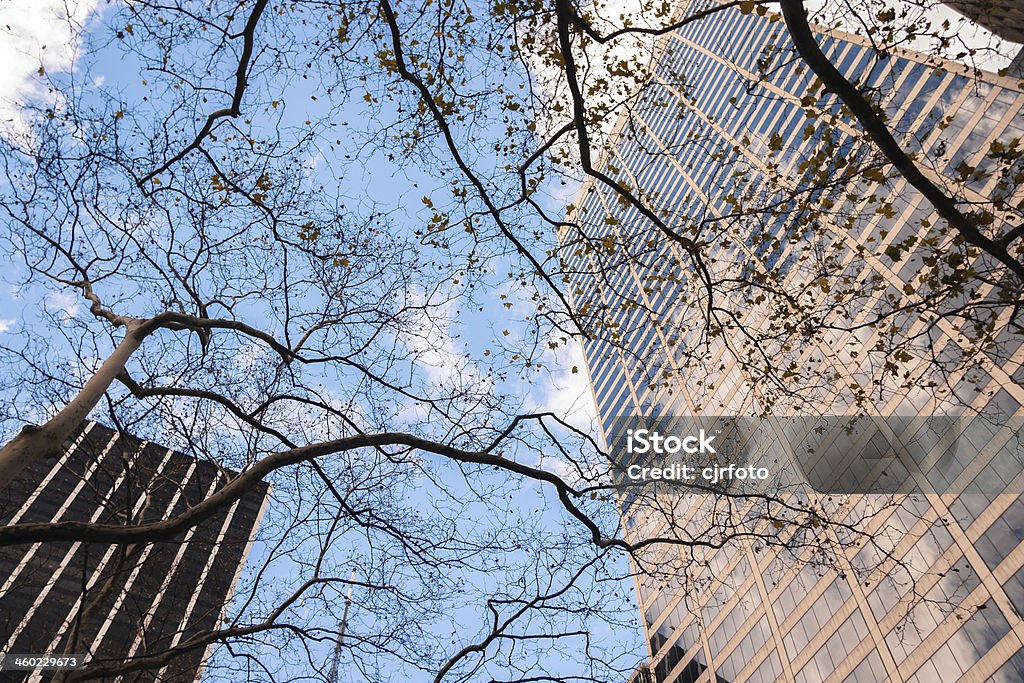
459,343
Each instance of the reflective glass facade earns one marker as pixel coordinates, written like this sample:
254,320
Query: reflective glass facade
939,596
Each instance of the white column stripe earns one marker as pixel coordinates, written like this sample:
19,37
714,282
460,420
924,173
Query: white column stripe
49,477
200,582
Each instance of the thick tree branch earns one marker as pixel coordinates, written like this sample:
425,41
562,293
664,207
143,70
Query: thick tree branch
44,441
795,15
236,488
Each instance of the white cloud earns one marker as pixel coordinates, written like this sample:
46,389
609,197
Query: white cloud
34,35
563,389
64,302
566,393
250,357
566,390
432,344
6,325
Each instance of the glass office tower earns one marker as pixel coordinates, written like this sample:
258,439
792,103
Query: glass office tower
739,153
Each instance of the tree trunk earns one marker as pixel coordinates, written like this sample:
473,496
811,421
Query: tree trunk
38,442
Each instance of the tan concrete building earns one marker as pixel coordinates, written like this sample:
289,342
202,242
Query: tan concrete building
1005,18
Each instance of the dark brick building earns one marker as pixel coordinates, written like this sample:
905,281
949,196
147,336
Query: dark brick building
119,602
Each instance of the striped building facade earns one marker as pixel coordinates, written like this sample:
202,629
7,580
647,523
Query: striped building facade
1005,18
729,145
113,603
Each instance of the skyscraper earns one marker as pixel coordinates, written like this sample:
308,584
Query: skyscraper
1016,68
730,146
1003,17
113,603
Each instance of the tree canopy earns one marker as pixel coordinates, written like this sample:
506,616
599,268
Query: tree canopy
338,247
